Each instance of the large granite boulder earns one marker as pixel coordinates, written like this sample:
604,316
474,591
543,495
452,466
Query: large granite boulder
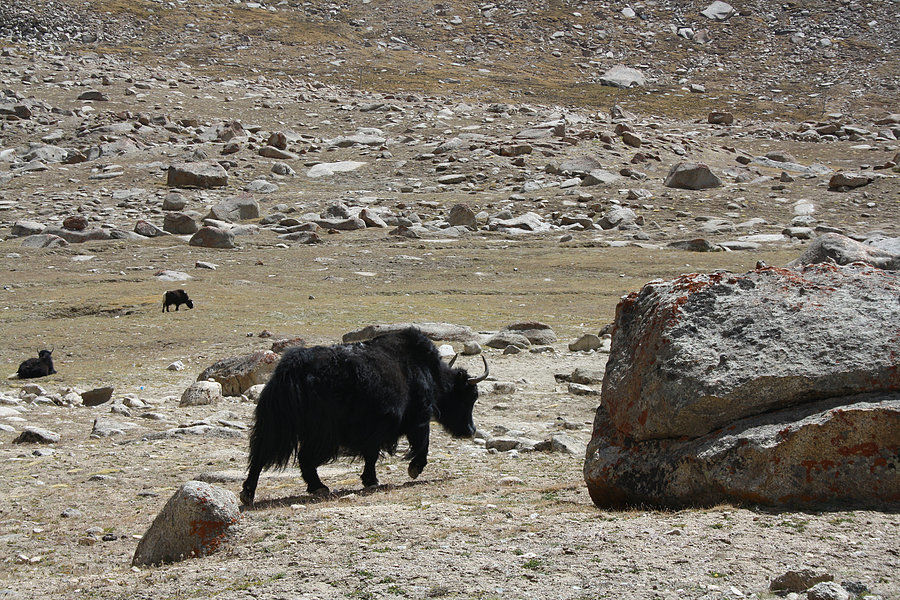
195,521
778,386
238,374
834,247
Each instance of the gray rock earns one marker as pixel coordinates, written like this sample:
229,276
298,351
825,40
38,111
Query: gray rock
799,580
25,228
93,95
36,435
212,237
586,376
565,444
174,201
578,389
623,77
502,339
845,180
578,165
588,341
261,186
434,331
147,229
452,178
717,117
471,348
329,169
195,521
237,374
273,152
180,224
839,249
78,237
693,413
44,240
617,216
234,210
719,11
599,177
461,214
695,245
534,331
351,224
105,427
198,174
201,393
96,396
691,176
706,369
827,590
371,219
530,221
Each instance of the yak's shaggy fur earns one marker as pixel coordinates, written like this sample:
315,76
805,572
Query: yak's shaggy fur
357,400
37,367
176,297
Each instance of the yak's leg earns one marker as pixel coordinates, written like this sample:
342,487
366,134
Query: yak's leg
369,478
418,448
248,491
308,468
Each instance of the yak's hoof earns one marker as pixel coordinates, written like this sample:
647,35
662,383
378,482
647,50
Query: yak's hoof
322,491
247,498
415,470
370,484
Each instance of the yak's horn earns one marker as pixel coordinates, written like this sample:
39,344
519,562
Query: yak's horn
453,360
474,380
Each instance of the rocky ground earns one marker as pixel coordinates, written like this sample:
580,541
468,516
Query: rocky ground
402,162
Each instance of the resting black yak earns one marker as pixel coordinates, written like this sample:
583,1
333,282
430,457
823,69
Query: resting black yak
37,367
357,400
176,297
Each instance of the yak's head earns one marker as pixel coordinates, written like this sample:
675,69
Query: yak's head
45,355
455,406
190,303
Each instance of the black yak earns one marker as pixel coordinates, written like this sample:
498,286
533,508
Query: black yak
357,400
37,367
176,297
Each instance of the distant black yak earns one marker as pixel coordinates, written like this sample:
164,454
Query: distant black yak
37,367
176,297
357,400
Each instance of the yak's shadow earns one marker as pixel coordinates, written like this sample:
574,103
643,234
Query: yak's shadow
310,499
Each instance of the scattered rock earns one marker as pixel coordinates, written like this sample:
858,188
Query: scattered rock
839,249
195,521
197,175
691,176
238,373
588,341
535,332
443,332
799,580
96,396
212,237
201,393
623,77
36,435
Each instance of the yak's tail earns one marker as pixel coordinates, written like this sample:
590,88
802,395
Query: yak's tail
276,432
